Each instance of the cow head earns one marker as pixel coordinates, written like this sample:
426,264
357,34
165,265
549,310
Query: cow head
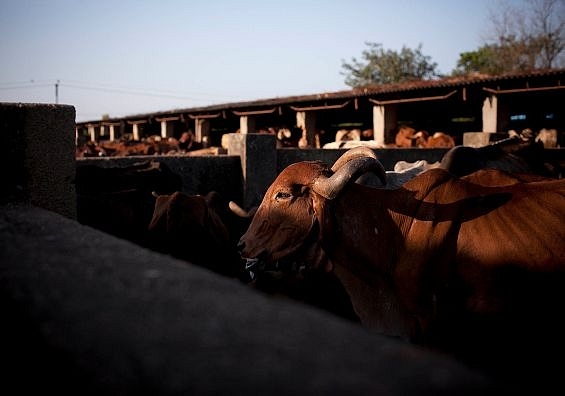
190,228
295,214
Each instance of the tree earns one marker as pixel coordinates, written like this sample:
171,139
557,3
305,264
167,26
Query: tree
521,39
379,66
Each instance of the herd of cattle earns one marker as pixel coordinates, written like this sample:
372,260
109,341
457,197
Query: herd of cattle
285,137
465,256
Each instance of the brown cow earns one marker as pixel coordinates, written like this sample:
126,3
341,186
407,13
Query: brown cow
197,229
514,154
404,137
437,140
119,200
477,271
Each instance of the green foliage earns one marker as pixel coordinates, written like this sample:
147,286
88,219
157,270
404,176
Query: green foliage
523,39
493,59
379,66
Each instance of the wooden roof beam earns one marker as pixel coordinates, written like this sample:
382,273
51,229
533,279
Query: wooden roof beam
517,90
324,107
408,100
254,112
204,116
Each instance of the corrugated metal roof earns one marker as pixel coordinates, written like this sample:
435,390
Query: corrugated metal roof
448,82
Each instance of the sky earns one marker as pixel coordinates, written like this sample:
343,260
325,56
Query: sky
127,57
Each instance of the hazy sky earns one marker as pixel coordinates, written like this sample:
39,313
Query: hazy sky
134,56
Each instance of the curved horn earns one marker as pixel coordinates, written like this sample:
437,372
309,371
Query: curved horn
329,187
356,152
238,210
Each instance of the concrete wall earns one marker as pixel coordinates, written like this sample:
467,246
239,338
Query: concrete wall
199,175
37,164
84,313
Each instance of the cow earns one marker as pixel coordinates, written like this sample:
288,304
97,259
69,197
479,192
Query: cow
513,154
404,137
204,230
549,137
343,137
437,140
89,149
494,177
200,229
119,200
475,271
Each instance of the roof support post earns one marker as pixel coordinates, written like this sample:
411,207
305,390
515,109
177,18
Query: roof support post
166,129
490,114
112,128
247,124
202,131
384,119
306,120
135,128
92,133
102,130
135,131
258,153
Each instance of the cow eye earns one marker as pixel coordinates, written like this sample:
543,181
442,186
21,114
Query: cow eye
282,195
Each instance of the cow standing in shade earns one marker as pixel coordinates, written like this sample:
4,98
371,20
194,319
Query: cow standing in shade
199,229
475,270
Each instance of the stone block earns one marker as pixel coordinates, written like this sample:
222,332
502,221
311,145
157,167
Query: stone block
258,153
38,166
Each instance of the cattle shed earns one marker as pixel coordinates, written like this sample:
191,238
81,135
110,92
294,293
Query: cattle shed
88,313
453,105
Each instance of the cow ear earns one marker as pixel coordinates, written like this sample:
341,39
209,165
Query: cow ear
160,211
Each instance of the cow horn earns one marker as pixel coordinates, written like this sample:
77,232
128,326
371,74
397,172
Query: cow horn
356,152
329,187
238,210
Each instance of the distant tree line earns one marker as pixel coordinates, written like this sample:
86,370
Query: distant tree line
524,38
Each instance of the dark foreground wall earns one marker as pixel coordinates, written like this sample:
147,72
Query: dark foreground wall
37,162
85,313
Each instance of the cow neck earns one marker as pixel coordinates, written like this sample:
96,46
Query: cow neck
353,224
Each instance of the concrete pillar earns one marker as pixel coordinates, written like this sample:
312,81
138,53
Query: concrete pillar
92,133
39,167
490,114
202,130
102,130
258,153
247,124
135,131
165,128
112,132
384,119
306,120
